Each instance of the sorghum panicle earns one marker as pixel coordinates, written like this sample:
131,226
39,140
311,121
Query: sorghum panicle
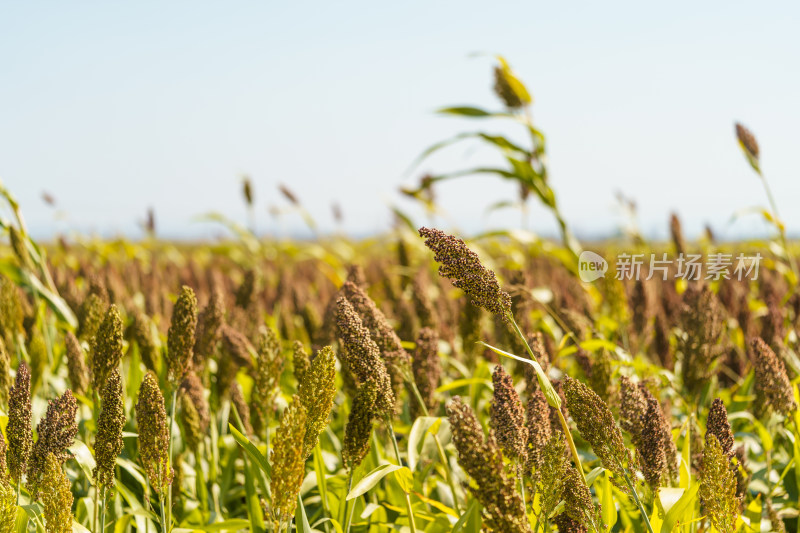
55,433
19,431
151,420
107,351
537,422
359,425
6,380
300,361
56,497
596,424
747,140
362,356
208,332
269,366
180,337
718,487
288,461
508,416
76,364
773,388
427,370
464,268
317,392
480,457
108,443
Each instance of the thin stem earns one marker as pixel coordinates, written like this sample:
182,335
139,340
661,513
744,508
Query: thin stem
781,230
638,502
103,513
163,515
411,522
439,448
171,426
347,515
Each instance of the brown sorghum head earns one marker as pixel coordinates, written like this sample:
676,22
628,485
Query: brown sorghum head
747,140
508,416
395,357
718,487
552,471
288,462
151,420
463,267
362,356
633,408
107,351
142,332
596,424
76,365
236,346
180,337
773,388
578,503
19,431
208,333
56,432
427,370
702,321
190,423
654,444
317,391
717,424
677,234
481,459
537,421
359,425
108,443
192,387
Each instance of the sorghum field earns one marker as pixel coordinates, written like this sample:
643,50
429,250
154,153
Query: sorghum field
409,382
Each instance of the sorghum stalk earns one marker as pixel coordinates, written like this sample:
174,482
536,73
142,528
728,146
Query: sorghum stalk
400,462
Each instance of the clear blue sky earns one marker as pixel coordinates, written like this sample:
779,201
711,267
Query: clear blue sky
113,107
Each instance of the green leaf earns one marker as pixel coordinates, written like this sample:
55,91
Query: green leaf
416,437
83,456
371,479
300,518
682,510
465,111
606,497
251,450
544,382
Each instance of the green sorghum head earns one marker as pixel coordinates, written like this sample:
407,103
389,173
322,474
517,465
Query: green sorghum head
76,365
56,497
151,420
180,337
19,431
108,347
108,443
718,487
317,392
55,434
288,461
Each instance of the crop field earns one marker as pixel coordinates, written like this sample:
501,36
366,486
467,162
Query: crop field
416,381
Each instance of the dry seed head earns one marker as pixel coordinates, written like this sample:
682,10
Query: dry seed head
677,234
142,333
395,357
654,444
718,487
19,431
192,387
427,369
288,462
596,424
56,432
237,348
180,337
508,416
108,443
464,268
718,425
151,420
76,365
107,351
747,140
56,497
362,356
208,333
190,423
505,91
269,366
578,503
773,388
537,422
317,392
633,408
247,190
359,425
566,524
482,460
